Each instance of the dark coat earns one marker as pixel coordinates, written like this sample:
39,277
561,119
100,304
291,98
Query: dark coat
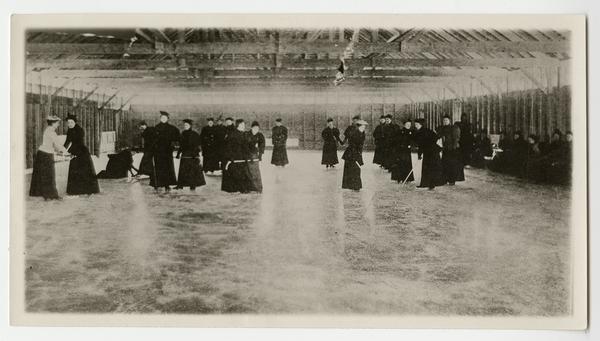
190,168
82,177
149,145
256,150
164,169
348,131
466,141
279,137
402,164
210,148
256,145
236,178
428,150
353,158
331,137
452,165
379,139
390,138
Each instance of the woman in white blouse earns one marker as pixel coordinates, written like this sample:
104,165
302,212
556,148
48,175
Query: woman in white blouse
43,179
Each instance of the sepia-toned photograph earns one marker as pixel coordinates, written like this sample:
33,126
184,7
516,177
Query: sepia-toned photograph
311,170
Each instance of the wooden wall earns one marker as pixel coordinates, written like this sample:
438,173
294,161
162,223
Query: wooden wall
40,104
530,111
304,121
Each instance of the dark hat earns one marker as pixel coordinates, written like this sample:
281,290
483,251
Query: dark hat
389,116
164,113
569,132
210,119
421,121
238,121
72,117
557,131
382,116
229,119
357,117
143,123
446,116
330,119
278,119
188,121
255,124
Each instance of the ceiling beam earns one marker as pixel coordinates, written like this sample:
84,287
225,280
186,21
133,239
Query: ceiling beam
291,46
142,64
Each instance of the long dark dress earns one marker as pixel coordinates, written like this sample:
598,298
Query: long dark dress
279,137
428,150
208,138
348,131
220,134
225,132
466,142
82,174
256,149
353,155
147,162
452,165
390,132
43,178
166,136
379,139
331,137
190,168
236,178
402,165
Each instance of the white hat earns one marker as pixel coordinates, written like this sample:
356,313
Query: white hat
53,118
362,123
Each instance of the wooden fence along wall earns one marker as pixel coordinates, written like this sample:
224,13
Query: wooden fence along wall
531,111
41,102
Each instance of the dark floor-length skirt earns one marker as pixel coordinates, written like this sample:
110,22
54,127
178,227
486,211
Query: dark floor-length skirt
82,177
330,156
351,178
402,168
388,158
452,166
190,173
43,178
146,165
164,171
255,183
279,157
378,157
236,178
431,171
211,162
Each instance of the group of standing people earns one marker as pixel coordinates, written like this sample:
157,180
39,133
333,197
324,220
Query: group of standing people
82,177
227,148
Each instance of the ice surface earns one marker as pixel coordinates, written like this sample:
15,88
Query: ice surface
492,245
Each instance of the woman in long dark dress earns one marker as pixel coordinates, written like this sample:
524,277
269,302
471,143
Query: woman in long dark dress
256,141
331,137
279,138
43,178
402,165
428,150
379,139
482,148
208,138
236,176
82,177
452,166
148,136
190,168
353,158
